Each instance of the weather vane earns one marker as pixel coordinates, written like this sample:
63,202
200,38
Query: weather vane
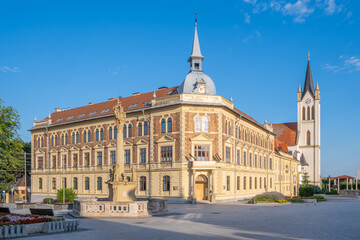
309,55
195,19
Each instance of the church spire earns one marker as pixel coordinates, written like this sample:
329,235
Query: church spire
196,57
309,84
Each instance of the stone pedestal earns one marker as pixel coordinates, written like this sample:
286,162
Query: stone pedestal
122,191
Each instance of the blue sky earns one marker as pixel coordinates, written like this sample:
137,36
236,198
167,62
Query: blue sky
69,53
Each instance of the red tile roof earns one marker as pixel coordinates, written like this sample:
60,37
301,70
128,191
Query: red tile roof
343,177
286,132
279,145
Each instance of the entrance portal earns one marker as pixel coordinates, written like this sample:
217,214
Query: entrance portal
201,187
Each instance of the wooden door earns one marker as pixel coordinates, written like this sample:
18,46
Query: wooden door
201,188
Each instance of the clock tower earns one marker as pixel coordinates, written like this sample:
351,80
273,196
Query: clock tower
308,127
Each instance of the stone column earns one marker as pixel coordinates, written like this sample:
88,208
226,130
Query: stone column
347,183
120,117
338,185
356,184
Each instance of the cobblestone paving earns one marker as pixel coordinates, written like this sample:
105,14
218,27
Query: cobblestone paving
336,219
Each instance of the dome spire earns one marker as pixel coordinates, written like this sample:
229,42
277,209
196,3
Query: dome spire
196,57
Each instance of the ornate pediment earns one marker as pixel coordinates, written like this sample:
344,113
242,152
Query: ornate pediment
201,138
142,142
165,138
229,140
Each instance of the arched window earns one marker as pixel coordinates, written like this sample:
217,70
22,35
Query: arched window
89,136
140,129
101,134
308,138
146,128
169,125
124,131
77,137
142,183
245,135
110,133
312,113
197,124
308,113
73,137
66,138
52,140
75,183
62,139
163,125
130,130
42,142
97,134
87,183
115,132
166,183
303,114
85,136
56,140
99,183
205,124
226,126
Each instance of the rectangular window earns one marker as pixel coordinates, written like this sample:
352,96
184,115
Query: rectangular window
166,154
166,183
99,158
75,160
255,160
54,183
270,163
142,155
142,183
87,183
265,165
87,159
75,183
40,183
250,183
244,183
238,156
250,160
255,182
228,183
244,158
40,162
127,156
112,157
64,182
54,161
64,161
201,152
228,154
99,183
238,183
260,161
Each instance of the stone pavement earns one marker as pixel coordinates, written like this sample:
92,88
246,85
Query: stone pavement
338,219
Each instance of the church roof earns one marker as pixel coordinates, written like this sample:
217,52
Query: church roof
286,132
309,84
196,52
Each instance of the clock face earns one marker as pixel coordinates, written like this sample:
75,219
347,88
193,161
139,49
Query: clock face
202,89
307,101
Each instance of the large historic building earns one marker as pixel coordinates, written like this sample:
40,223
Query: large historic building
180,143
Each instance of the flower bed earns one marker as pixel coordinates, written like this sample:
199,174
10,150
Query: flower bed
18,219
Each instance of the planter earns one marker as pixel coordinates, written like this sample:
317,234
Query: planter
25,205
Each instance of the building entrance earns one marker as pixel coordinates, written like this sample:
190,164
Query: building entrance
201,187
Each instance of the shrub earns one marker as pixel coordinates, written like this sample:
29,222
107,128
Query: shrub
319,198
295,200
282,201
306,190
332,192
70,195
48,200
268,197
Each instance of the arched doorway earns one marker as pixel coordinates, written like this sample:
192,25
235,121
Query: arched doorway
201,187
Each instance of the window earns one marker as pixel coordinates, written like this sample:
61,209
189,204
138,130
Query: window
205,124
270,182
97,134
228,183
201,152
146,128
64,182
166,183
130,130
54,183
112,157
77,137
197,124
169,125
110,133
87,183
115,132
260,185
227,154
54,161
75,160
40,162
238,183
99,183
66,138
64,163
99,158
38,142
89,136
250,183
101,134
270,163
244,158
312,113
142,155
238,156
303,114
40,183
308,113
260,161
62,139
250,160
87,159
85,136
127,156
124,131
255,182
142,183
265,165
308,138
244,183
75,183
56,140
140,129
52,140
73,137
265,183
42,142
163,127
166,154
255,160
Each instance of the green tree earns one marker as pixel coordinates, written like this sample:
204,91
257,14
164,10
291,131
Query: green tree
11,146
305,178
70,195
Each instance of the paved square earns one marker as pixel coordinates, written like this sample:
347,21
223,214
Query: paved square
325,220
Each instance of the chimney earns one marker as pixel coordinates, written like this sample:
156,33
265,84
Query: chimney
91,103
57,109
137,93
162,87
111,99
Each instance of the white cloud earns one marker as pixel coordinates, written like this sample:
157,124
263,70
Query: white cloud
348,64
300,10
247,18
253,2
330,6
7,69
256,36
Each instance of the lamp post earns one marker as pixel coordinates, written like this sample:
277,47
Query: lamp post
63,162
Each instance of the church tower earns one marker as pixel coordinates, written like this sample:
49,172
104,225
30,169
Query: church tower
308,139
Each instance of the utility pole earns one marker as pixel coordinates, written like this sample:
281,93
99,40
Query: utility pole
25,176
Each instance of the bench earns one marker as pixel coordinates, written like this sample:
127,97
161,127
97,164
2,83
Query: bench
42,211
4,210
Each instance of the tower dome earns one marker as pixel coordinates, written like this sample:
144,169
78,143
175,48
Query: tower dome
196,81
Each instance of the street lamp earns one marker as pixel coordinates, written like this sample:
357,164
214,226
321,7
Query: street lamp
63,180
